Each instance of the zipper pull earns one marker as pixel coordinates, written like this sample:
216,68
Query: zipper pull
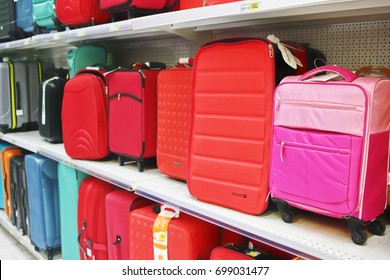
119,96
281,151
142,74
271,50
278,102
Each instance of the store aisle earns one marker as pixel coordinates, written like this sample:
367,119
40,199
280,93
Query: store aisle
11,249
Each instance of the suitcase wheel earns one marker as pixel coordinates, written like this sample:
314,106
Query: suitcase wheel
283,207
49,254
140,165
359,237
377,227
121,160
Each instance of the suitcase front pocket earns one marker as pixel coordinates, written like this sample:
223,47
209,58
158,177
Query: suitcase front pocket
316,169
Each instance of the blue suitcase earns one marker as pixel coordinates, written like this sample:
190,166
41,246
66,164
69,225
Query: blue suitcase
43,202
24,15
2,146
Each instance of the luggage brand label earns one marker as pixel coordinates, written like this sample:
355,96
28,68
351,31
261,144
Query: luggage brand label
242,195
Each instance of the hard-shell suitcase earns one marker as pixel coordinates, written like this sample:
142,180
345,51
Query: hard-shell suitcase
8,27
43,203
3,145
85,56
69,180
157,235
173,112
348,163
85,116
133,113
231,121
49,109
77,13
6,155
45,17
189,4
20,214
24,16
118,205
91,218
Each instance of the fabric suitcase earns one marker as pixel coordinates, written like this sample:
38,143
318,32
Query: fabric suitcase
118,205
187,237
348,163
45,17
133,113
77,13
85,56
135,7
91,218
20,216
49,109
3,145
239,252
43,202
174,107
6,155
189,4
217,2
24,15
69,181
85,116
230,128
9,29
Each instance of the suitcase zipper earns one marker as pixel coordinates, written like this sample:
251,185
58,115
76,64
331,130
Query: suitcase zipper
118,96
317,104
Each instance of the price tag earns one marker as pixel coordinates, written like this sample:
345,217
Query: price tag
250,7
57,36
81,33
114,27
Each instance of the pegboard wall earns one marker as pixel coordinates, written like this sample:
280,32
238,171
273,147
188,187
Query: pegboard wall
351,45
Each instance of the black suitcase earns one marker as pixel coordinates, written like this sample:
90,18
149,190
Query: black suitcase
8,28
20,217
50,107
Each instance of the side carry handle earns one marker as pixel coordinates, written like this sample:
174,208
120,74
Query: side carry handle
348,75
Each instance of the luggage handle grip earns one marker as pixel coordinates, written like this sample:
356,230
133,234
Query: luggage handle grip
83,228
344,72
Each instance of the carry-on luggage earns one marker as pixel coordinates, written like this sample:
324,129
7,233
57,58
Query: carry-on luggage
78,13
45,17
189,4
9,30
133,112
118,205
69,180
85,56
339,130
85,116
231,121
168,235
20,214
43,203
173,111
6,155
91,218
49,109
239,252
217,2
2,146
24,16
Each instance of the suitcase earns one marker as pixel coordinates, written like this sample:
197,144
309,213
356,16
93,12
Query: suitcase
231,121
217,2
173,112
118,205
6,155
348,163
133,113
3,145
43,202
184,238
239,252
91,218
85,116
49,109
78,13
84,56
69,180
8,28
45,17
24,16
20,214
189,4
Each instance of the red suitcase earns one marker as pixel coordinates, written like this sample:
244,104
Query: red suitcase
91,218
85,116
134,6
230,130
189,4
133,113
187,237
78,13
173,112
239,252
217,2
118,205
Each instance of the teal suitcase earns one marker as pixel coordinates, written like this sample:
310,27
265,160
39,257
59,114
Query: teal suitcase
44,16
86,56
2,146
69,180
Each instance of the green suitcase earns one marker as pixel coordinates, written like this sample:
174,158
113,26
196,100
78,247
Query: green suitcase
69,180
86,56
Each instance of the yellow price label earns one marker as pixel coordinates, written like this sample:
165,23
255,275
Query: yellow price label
250,7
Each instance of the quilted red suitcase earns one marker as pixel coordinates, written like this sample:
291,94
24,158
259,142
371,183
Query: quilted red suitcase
230,130
118,205
173,112
187,237
91,218
78,13
85,116
133,113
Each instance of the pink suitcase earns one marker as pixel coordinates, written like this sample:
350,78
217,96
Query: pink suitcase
330,148
118,204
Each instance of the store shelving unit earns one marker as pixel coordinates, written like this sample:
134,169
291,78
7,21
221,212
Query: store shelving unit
311,236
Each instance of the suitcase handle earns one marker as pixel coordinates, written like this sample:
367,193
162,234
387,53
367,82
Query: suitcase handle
367,70
83,228
344,72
